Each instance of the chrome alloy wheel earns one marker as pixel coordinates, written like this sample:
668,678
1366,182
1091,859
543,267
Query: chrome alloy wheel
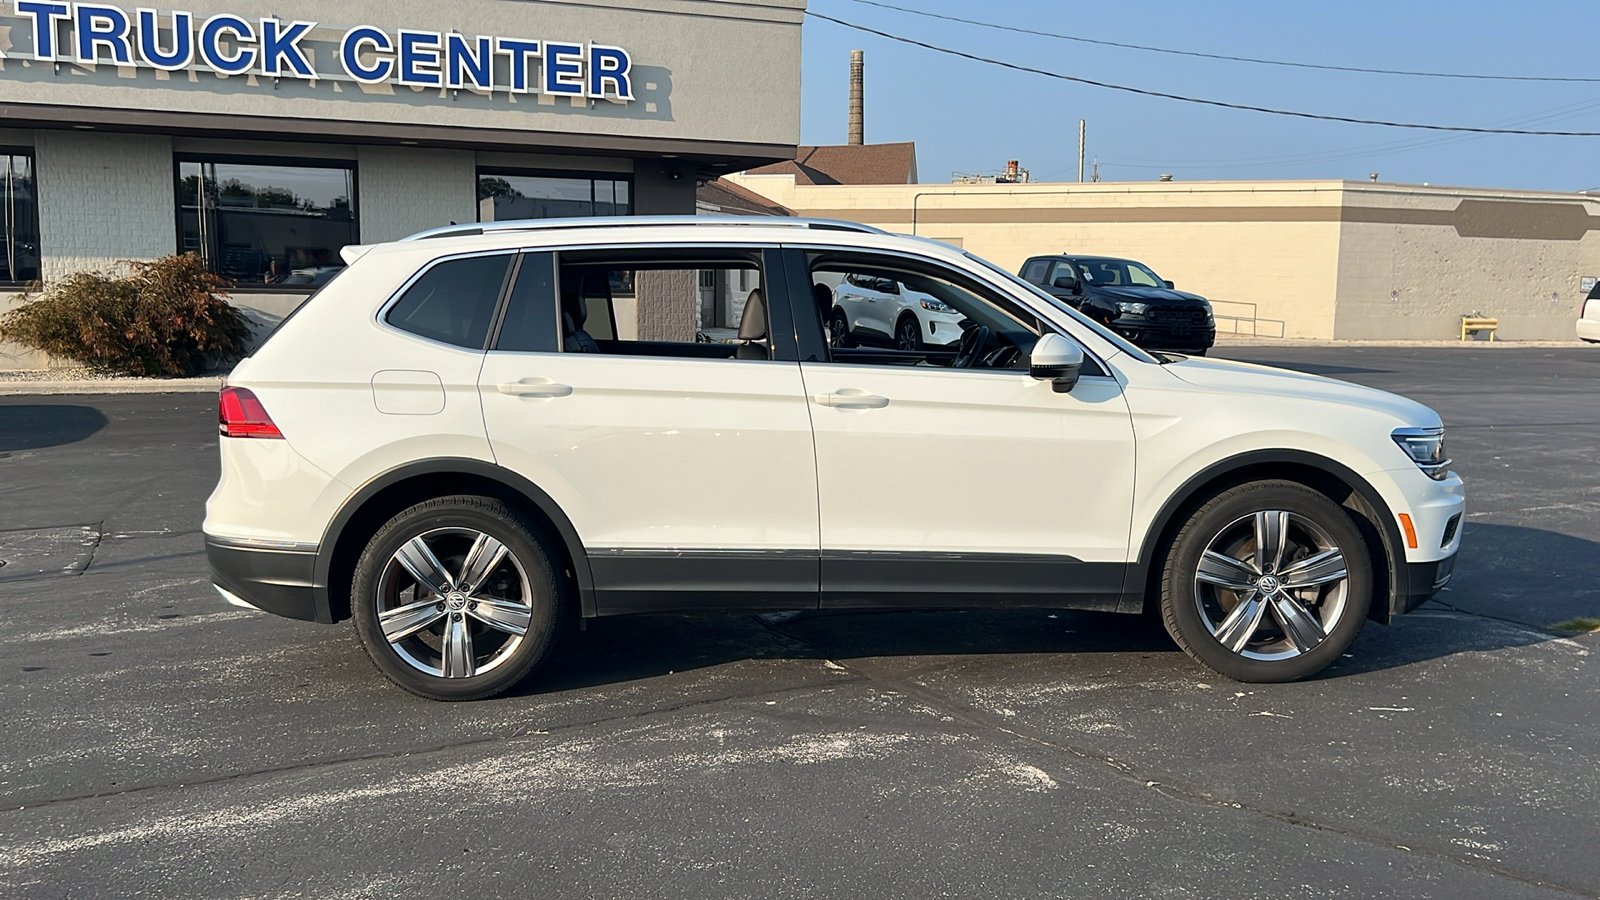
908,335
1272,585
454,603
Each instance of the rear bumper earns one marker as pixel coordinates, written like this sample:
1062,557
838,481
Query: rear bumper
281,582
1589,329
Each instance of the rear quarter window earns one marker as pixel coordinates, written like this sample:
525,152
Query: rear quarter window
454,301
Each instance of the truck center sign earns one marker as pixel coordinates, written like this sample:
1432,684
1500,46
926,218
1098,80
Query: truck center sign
94,34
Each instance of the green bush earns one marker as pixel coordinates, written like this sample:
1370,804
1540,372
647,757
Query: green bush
167,317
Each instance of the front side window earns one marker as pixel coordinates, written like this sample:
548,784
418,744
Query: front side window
1062,276
713,307
267,224
19,262
508,196
454,301
882,311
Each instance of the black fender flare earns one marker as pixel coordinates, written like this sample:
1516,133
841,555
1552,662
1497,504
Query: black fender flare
476,468
1399,575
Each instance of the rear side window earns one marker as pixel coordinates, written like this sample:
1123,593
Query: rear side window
454,301
1035,270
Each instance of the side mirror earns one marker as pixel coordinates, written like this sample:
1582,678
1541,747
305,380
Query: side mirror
1170,285
1067,283
1057,360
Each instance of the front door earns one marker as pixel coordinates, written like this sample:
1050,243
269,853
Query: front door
961,486
686,467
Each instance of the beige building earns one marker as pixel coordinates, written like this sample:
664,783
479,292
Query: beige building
1316,259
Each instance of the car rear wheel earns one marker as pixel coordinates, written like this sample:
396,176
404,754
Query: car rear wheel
456,598
1267,582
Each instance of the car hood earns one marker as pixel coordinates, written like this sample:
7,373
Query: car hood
1145,294
1242,377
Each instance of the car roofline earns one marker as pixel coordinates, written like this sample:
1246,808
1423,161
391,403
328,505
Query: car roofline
525,225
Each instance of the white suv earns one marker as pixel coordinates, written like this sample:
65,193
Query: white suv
473,434
883,311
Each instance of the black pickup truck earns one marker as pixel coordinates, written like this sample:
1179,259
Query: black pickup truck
1129,298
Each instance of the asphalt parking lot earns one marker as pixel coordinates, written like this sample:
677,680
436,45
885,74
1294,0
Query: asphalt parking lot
159,743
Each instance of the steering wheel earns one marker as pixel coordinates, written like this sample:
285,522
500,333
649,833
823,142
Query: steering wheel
973,340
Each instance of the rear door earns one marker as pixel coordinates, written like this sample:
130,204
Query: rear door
684,459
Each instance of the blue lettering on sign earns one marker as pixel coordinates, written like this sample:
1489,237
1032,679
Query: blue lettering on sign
609,66
98,33
103,26
44,16
366,39
419,59
466,61
281,45
216,55
563,69
182,55
521,52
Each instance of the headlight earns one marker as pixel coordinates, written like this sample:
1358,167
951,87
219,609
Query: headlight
936,306
1211,316
1132,309
1425,446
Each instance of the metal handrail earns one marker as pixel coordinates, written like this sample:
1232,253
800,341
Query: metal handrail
1252,318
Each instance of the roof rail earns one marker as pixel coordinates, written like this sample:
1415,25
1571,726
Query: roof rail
478,228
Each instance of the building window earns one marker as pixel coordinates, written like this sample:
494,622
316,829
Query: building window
19,262
267,223
504,196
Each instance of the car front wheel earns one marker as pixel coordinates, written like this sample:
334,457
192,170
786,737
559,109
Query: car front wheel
456,599
1267,582
908,334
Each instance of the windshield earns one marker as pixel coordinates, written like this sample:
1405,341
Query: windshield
1119,273
1109,336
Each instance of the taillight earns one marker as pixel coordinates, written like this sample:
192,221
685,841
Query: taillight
241,415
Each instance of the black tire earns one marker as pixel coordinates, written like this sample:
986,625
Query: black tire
1196,611
839,329
1201,352
908,334
524,577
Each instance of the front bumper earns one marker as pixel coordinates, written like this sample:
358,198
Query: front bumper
1424,580
1146,333
281,582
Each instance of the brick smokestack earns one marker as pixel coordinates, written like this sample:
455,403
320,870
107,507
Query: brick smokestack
857,104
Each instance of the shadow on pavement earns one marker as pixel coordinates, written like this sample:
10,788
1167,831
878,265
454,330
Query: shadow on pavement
36,426
1513,582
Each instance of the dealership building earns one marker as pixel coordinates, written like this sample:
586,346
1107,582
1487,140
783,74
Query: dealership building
266,138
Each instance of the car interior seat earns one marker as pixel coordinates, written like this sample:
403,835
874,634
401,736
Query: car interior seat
574,313
753,328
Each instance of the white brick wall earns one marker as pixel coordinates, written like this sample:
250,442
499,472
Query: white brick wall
103,198
401,191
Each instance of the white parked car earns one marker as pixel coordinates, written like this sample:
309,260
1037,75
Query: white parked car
465,440
1589,319
871,309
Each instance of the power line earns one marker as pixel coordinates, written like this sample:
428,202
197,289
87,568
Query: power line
1243,59
1204,102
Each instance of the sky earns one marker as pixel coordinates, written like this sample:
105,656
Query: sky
967,116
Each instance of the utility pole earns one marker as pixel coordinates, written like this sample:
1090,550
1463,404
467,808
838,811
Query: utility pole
1082,133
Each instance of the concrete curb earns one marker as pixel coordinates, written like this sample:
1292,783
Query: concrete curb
112,386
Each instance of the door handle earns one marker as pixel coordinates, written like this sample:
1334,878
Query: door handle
535,387
851,398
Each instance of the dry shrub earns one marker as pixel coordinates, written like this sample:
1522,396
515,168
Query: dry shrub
167,317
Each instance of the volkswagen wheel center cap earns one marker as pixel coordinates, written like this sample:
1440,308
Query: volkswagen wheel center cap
1268,584
456,600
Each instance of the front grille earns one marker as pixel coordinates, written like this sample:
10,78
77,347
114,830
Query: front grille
1450,530
1176,315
